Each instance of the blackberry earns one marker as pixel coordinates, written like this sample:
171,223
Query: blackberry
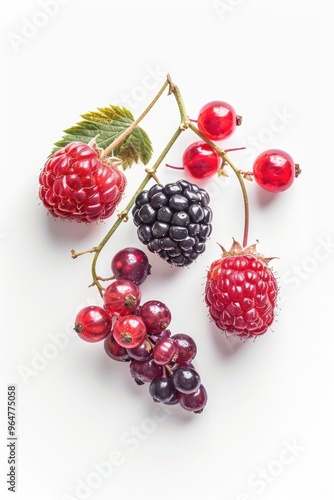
174,221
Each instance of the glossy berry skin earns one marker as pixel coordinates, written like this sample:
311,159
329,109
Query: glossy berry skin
162,390
131,264
217,120
129,331
186,379
187,348
92,324
141,352
200,161
165,351
122,297
155,315
114,350
165,334
274,170
145,371
195,401
76,185
241,293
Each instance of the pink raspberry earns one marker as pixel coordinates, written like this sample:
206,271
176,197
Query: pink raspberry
76,184
241,292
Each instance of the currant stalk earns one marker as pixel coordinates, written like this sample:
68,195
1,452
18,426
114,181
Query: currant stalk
237,172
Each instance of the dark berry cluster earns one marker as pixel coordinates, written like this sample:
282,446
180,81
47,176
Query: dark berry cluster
174,221
138,333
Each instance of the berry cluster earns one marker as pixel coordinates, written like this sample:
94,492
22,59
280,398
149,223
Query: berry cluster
84,183
138,333
273,170
174,221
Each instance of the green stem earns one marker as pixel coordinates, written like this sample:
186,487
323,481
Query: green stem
174,89
123,216
151,173
237,172
133,125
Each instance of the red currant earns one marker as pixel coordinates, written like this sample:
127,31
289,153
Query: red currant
92,323
165,351
274,170
121,298
217,120
155,315
187,348
201,161
131,264
129,331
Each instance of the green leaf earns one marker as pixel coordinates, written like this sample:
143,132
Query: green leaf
106,124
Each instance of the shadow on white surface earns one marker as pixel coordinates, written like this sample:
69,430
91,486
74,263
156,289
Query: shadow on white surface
227,345
265,198
68,231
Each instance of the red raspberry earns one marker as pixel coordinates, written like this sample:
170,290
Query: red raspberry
76,184
241,292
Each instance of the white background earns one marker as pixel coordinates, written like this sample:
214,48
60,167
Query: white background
267,431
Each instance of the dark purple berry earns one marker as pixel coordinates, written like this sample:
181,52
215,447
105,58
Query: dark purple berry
155,315
145,371
187,348
162,390
131,264
186,379
194,401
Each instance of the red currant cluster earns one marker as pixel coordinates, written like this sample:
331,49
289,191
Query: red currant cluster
138,333
274,170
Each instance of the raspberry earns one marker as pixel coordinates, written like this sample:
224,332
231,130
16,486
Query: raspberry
174,221
241,292
76,184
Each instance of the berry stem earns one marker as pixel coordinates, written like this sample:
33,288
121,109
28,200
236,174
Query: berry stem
237,172
123,216
185,123
174,167
133,125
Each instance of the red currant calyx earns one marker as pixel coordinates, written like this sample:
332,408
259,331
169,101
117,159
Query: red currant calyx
122,297
129,331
